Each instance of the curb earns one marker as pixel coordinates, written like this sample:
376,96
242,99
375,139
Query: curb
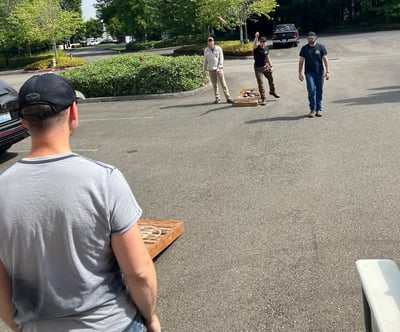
145,97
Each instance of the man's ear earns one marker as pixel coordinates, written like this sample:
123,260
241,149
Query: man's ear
24,123
73,112
73,117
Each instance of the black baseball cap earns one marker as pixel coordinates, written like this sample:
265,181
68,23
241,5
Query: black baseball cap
312,34
263,39
47,89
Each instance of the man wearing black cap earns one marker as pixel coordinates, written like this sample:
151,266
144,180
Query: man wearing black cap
314,56
263,67
70,246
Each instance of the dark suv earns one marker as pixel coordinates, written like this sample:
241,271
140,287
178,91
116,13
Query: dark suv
285,34
11,128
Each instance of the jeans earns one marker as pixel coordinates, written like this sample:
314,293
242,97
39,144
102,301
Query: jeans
315,85
137,324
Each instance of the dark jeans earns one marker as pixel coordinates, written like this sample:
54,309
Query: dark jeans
315,84
266,72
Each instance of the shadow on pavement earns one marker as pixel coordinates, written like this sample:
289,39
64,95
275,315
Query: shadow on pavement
279,118
217,109
185,105
387,97
5,156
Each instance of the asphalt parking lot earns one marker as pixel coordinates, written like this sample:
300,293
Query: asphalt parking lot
277,207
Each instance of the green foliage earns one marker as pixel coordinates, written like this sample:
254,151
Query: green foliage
230,48
129,17
71,5
61,62
178,17
38,22
93,28
23,61
125,75
139,46
174,41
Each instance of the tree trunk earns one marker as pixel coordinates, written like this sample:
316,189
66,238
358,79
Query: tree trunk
55,48
246,37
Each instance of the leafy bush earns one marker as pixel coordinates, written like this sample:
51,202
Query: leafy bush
22,61
139,46
62,62
230,48
170,42
126,75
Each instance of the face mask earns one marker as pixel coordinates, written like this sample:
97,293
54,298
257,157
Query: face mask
311,39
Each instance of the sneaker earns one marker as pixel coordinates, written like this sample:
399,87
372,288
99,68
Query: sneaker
263,103
217,101
312,114
229,100
275,94
319,114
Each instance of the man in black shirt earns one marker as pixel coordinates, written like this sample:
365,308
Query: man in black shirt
263,67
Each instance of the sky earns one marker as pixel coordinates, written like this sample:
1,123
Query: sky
88,10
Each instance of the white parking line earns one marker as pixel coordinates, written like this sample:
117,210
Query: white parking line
117,119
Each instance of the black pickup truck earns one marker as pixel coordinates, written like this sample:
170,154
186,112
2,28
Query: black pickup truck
285,35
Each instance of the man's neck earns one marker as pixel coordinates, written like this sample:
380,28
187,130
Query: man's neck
43,152
42,147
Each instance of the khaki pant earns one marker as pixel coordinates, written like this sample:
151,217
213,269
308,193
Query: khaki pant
214,78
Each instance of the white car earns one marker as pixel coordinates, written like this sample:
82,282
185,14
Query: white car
92,42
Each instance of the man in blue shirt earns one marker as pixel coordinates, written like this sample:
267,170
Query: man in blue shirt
314,56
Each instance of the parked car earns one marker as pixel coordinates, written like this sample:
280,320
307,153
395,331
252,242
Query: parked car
11,128
285,35
93,41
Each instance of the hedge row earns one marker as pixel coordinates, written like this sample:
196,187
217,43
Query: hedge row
23,61
230,48
61,62
125,75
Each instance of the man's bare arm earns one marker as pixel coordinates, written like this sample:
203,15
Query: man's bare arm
139,273
301,63
7,307
326,63
255,42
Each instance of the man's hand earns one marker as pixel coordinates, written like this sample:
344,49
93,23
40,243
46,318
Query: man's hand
153,325
301,77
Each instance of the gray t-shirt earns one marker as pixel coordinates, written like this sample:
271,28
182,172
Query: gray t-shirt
57,215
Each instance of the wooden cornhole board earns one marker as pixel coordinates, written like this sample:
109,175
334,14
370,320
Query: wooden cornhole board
159,234
247,97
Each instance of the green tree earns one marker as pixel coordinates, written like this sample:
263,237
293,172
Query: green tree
93,28
42,21
384,11
179,17
234,13
72,5
135,17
